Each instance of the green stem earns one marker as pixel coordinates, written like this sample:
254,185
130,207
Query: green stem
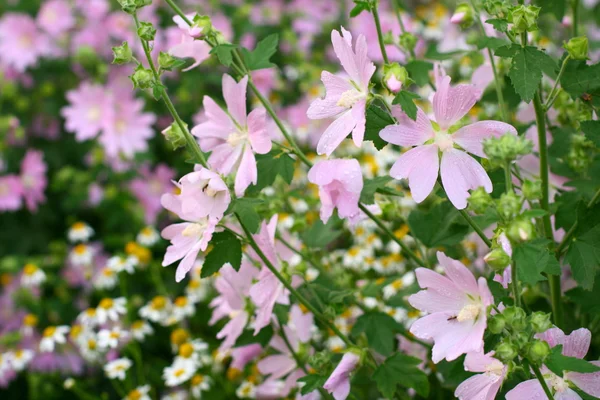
538,375
178,11
476,227
567,238
552,96
575,18
515,284
553,280
379,34
508,178
402,28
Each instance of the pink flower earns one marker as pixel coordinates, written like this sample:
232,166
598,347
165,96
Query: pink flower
575,345
21,43
33,178
89,106
340,183
204,192
483,386
346,99
459,171
233,288
457,306
56,17
149,187
233,137
192,31
11,190
189,48
338,383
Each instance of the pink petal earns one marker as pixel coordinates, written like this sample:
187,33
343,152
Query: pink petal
478,387
408,132
461,173
277,365
450,104
471,137
530,389
458,273
420,166
358,113
432,301
187,263
336,133
589,383
235,97
246,173
327,107
257,131
577,343
481,78
343,50
366,68
216,114
478,362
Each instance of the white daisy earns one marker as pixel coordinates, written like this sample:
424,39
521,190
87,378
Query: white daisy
32,276
106,279
111,309
197,289
53,335
200,383
110,338
177,395
158,310
119,264
140,329
21,358
181,371
148,236
246,391
81,254
118,368
183,308
89,317
139,393
89,347
80,232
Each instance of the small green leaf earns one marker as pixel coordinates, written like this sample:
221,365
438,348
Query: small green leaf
500,25
271,165
226,249
507,51
418,71
245,208
402,370
533,259
359,7
526,70
312,382
380,330
370,186
535,213
224,53
406,101
320,235
558,363
438,226
491,43
259,58
377,119
592,131
584,251
579,78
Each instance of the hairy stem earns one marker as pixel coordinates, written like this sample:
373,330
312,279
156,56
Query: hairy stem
476,227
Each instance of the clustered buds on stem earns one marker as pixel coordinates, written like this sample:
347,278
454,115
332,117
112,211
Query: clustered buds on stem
524,18
506,149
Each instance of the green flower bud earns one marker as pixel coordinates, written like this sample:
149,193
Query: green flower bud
540,321
532,190
514,314
146,31
537,351
577,48
166,61
463,16
129,6
201,26
506,351
497,8
509,205
496,323
581,154
524,18
497,259
408,41
320,361
122,54
87,57
174,135
142,78
395,77
480,201
506,148
520,230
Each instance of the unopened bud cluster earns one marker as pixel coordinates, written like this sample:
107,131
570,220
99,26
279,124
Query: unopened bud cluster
506,149
524,18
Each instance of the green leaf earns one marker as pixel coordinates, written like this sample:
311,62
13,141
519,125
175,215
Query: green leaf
320,235
263,337
438,226
558,363
245,208
367,196
418,71
226,249
259,58
402,370
491,43
272,164
224,53
533,259
507,51
359,7
554,7
535,213
579,78
584,251
377,119
592,131
380,330
406,101
500,25
312,382
587,300
526,70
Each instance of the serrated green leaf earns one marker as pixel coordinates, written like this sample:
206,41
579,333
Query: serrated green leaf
584,251
320,235
370,186
377,119
592,131
226,249
271,165
406,101
500,25
245,208
224,53
526,70
533,259
259,58
507,51
438,226
312,382
491,43
558,363
402,370
380,329
418,71
579,78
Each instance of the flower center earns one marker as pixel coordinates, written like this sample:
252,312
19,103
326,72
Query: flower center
236,138
194,229
558,384
468,313
495,368
443,140
349,98
30,269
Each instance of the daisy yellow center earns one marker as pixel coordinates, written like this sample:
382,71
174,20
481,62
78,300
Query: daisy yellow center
179,336
91,312
78,226
76,331
159,302
349,98
30,269
115,335
186,350
80,249
49,331
106,303
92,344
137,325
134,395
181,301
179,372
470,312
397,284
197,379
30,320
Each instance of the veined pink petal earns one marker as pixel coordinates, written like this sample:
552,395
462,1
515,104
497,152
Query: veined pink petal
568,394
365,67
224,158
277,365
358,113
235,97
408,132
246,173
216,114
589,383
257,131
196,49
327,107
451,103
336,133
232,330
432,301
530,389
471,137
478,362
479,387
577,343
461,173
343,50
458,273
482,77
420,166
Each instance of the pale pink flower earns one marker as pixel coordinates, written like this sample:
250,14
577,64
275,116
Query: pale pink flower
457,306
421,164
575,345
338,383
204,192
33,178
340,183
89,106
345,99
241,356
148,188
232,136
55,17
189,48
482,386
11,190
21,43
190,30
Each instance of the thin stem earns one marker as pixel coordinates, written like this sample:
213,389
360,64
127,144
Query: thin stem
553,280
178,11
575,18
552,96
402,28
567,239
538,375
380,34
508,178
515,284
476,227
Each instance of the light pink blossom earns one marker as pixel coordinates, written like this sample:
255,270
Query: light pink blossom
338,383
89,106
457,306
189,48
148,188
436,150
21,42
346,98
11,190
482,386
56,17
340,183
232,136
33,178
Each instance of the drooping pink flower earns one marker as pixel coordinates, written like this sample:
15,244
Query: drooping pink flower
204,192
89,106
575,345
340,183
190,48
482,386
149,187
21,42
11,190
232,136
56,17
457,306
345,99
338,383
33,178
233,288
421,164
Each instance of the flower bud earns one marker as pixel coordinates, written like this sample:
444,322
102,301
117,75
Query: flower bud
540,321
509,205
122,54
166,61
532,190
520,230
146,31
495,7
524,18
463,16
505,351
506,148
480,201
537,351
514,315
408,41
174,135
395,76
577,48
142,78
129,6
496,323
497,259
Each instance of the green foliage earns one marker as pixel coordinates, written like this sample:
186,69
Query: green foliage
586,299
312,382
406,101
319,235
584,251
377,119
259,58
225,53
554,7
501,25
592,131
377,184
245,208
271,165
401,370
227,248
438,226
558,363
533,259
579,78
380,329
419,71
263,337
